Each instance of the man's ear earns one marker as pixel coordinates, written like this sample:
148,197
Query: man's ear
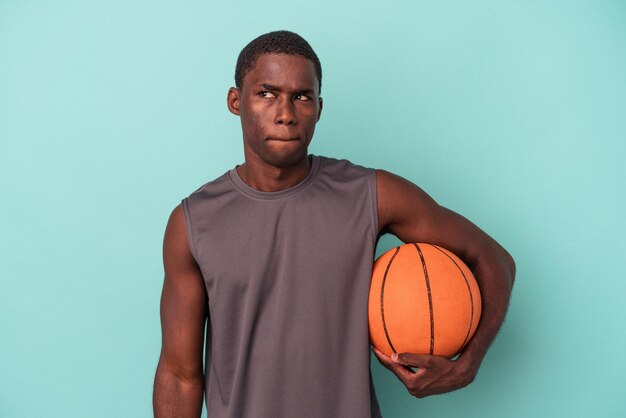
233,100
319,113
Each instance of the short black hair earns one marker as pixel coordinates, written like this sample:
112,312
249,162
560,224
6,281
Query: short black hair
277,42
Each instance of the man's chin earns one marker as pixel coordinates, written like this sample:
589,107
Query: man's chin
286,159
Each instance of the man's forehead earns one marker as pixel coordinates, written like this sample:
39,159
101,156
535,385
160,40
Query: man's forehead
283,70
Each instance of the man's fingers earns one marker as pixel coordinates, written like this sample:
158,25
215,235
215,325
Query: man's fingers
383,358
399,370
415,360
435,374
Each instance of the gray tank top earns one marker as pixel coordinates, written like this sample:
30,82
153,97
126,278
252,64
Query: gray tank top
287,275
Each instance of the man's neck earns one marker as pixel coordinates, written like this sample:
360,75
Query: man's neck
266,178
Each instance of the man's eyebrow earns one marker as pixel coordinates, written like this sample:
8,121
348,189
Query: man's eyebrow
269,87
305,91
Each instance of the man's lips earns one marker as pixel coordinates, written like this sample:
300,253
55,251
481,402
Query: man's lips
283,139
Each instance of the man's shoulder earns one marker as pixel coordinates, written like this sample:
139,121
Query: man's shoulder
345,166
217,185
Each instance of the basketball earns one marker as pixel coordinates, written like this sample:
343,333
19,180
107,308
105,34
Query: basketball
424,300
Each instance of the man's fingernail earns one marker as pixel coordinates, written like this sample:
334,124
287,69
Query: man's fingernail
394,356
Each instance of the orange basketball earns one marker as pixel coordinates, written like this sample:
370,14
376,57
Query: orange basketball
424,300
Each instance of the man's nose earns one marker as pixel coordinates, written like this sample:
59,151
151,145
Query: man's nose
285,113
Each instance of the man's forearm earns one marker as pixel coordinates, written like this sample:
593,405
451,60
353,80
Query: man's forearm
495,274
175,396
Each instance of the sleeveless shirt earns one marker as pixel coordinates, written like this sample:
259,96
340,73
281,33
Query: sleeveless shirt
287,275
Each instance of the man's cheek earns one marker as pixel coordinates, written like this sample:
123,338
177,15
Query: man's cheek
254,127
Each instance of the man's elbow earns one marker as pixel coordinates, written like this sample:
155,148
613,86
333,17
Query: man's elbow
179,375
510,267
500,261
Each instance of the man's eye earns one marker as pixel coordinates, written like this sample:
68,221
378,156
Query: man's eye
302,97
266,94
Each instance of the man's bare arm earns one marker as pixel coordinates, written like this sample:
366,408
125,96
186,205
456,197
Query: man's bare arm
410,214
179,380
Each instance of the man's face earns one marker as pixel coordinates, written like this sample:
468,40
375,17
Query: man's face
279,105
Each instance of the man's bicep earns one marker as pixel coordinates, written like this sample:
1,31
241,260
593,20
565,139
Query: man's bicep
413,216
183,303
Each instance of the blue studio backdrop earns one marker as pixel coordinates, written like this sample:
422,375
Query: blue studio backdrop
511,113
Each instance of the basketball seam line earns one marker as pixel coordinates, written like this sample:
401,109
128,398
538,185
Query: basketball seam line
430,300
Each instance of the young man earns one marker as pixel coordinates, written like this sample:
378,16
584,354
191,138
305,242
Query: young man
275,258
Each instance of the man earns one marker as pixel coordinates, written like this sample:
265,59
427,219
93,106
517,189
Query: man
277,254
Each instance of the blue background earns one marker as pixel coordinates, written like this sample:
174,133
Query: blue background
510,113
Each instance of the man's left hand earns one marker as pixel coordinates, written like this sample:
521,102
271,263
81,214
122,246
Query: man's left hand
434,375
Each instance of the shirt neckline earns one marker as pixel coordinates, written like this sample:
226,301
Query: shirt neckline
244,188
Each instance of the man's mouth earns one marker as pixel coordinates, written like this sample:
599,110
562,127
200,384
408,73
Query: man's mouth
283,139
